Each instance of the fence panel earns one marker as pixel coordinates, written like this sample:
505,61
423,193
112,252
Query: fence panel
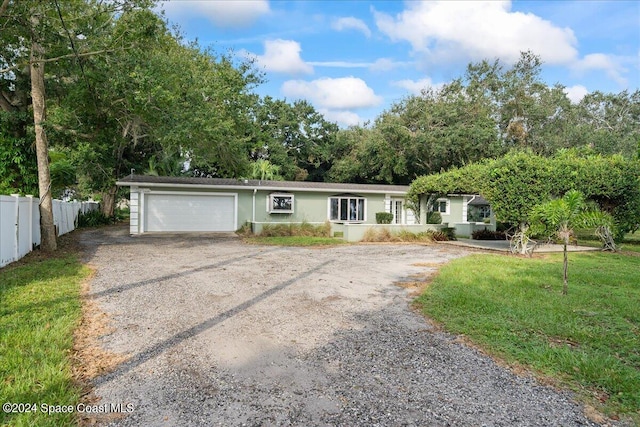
20,223
8,230
25,213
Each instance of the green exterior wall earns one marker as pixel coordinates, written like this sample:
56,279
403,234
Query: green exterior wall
455,211
309,206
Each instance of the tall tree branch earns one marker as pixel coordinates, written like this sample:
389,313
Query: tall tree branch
5,105
4,6
70,55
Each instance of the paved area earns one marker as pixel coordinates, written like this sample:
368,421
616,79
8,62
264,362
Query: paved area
503,246
218,332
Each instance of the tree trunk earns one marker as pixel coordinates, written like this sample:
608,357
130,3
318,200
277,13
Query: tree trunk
109,201
565,287
48,241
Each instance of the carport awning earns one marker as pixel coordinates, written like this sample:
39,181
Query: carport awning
479,201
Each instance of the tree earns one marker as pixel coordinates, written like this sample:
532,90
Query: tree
294,137
34,34
610,123
263,170
562,217
421,134
156,104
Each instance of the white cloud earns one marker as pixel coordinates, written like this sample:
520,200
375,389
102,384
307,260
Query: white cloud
416,86
477,30
351,23
225,14
608,63
283,56
345,118
341,64
576,93
386,64
342,93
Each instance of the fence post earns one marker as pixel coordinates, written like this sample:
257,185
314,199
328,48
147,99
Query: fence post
16,242
30,198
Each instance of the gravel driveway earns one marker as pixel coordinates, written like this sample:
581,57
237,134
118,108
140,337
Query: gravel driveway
219,332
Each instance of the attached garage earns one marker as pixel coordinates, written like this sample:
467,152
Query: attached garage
171,211
198,204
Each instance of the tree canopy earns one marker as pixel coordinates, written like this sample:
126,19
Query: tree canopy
520,180
487,112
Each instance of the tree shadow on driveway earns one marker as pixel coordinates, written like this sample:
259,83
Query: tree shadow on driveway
129,286
160,347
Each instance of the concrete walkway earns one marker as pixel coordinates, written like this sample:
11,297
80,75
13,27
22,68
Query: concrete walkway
503,246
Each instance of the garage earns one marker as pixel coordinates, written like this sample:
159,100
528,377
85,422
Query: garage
166,211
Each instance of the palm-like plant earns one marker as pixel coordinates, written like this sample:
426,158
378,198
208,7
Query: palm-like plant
562,217
264,170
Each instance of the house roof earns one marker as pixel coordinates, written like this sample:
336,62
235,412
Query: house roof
250,184
478,201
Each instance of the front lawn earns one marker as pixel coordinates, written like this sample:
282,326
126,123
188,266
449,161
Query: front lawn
588,340
40,308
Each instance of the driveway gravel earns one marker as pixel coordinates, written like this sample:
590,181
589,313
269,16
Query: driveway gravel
218,332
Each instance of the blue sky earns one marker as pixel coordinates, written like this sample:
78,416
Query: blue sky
353,59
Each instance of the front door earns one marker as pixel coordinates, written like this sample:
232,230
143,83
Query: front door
396,210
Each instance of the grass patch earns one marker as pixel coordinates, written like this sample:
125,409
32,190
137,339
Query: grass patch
295,241
383,234
303,234
40,309
630,243
302,230
588,340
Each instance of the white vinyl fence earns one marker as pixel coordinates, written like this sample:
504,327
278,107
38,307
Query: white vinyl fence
20,223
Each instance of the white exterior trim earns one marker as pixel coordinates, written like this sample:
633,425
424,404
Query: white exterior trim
448,205
141,214
465,207
257,187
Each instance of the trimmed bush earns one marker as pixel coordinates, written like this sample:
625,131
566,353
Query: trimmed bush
304,229
520,180
384,217
434,217
488,235
379,235
385,235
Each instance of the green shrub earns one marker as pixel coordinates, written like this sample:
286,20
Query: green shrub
439,236
434,217
488,235
384,217
93,219
374,234
450,232
379,235
245,230
303,229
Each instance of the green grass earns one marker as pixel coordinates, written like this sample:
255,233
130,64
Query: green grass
630,243
294,240
588,340
40,308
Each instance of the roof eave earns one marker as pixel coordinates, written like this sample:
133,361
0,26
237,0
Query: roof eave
256,187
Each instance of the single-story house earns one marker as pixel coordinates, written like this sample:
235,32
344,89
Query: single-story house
184,204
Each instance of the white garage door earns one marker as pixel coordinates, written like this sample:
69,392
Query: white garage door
180,212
